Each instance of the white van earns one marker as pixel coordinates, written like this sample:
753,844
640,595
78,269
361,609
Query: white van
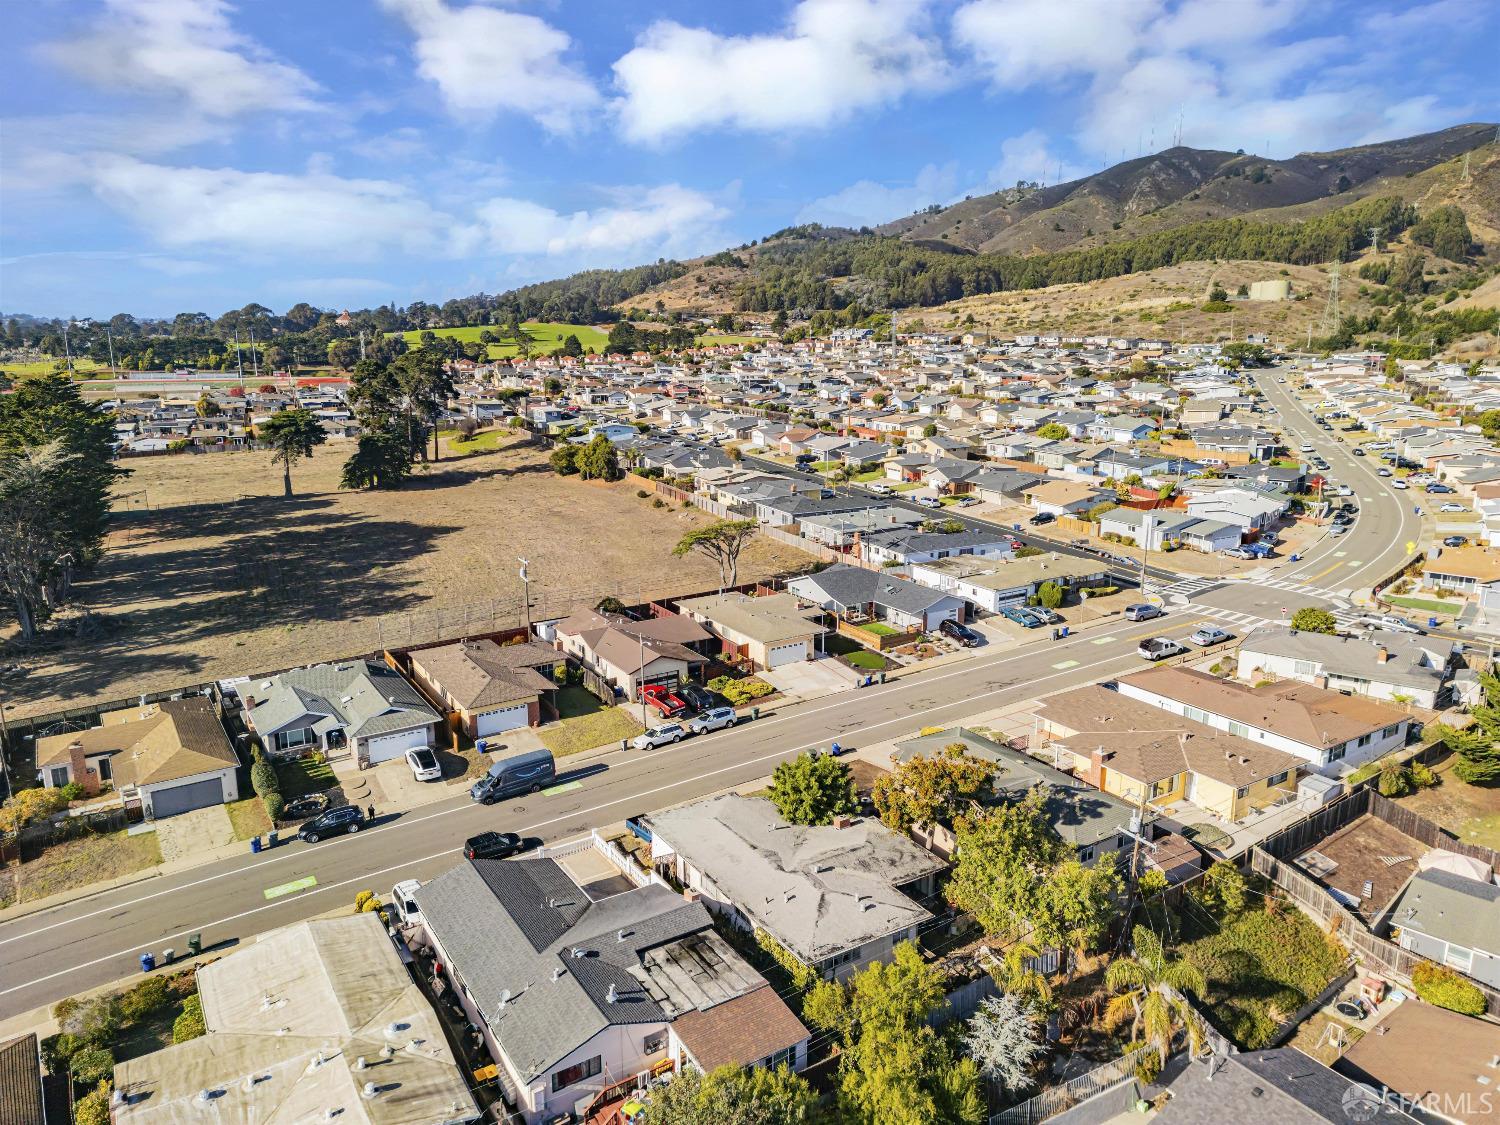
404,903
879,488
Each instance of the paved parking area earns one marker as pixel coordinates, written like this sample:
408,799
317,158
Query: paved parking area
191,835
809,679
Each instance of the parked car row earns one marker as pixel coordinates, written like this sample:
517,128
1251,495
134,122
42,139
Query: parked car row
716,718
1029,617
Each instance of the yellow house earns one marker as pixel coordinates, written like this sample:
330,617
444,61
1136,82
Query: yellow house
1145,755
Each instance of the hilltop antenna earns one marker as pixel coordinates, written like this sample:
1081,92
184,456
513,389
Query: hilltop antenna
1375,238
1331,317
1177,143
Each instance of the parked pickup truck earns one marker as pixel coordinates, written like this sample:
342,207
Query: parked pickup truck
1159,648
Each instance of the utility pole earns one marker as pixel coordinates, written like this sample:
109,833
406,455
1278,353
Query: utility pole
67,349
114,373
526,584
361,343
254,357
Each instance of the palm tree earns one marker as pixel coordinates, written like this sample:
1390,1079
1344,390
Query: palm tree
292,434
1014,973
1152,988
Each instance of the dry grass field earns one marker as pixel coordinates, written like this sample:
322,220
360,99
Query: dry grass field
224,577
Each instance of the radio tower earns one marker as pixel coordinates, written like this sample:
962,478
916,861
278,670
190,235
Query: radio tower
1331,315
1375,239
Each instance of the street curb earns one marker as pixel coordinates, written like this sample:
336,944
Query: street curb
66,898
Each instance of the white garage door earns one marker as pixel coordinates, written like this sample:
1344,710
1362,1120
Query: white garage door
786,654
937,617
494,722
389,746
186,798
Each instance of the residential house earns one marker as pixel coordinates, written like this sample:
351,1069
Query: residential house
1066,497
847,591
1121,427
1002,486
172,756
1234,444
836,897
991,584
1095,824
357,706
1167,528
1330,731
906,547
489,688
1390,666
843,530
1452,919
627,653
1471,572
1284,1085
769,631
1245,508
1452,1060
576,987
1134,751
22,1101
317,1021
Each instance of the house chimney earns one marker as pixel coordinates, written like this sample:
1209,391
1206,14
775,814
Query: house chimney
842,822
1382,655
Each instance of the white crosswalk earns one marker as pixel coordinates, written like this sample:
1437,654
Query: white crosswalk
1344,617
1187,587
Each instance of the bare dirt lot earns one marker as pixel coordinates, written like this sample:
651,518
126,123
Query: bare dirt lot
223,577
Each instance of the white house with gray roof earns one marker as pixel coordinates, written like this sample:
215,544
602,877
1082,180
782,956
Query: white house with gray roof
357,706
1414,668
836,897
1453,920
878,594
576,988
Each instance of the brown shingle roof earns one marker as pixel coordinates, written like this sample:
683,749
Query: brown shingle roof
1147,744
741,1031
480,674
169,740
1466,562
21,1082
1310,715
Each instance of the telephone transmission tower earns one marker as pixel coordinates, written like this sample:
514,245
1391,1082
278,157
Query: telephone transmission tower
1331,315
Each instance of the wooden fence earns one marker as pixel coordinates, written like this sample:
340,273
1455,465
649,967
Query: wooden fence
1060,1099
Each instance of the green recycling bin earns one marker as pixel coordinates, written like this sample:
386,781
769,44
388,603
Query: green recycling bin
195,944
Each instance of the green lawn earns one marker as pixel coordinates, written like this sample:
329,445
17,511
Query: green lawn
302,776
248,818
879,629
869,661
825,466
574,700
866,478
1426,605
545,335
47,366
585,731
485,441
906,486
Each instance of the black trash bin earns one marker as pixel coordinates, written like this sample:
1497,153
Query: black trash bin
195,944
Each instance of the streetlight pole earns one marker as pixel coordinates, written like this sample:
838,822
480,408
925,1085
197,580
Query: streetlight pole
526,586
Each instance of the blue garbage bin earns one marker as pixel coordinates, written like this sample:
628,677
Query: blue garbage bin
1064,631
1432,622
480,745
254,845
148,962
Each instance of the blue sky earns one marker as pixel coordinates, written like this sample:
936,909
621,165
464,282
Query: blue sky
193,155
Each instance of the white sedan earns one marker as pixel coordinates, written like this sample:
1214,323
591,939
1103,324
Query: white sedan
1208,635
424,764
1452,508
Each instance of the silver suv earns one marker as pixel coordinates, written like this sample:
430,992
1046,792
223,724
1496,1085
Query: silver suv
716,719
659,736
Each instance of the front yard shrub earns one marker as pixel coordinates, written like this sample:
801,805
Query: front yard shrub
1100,591
263,776
275,804
740,692
190,1024
100,1020
72,791
1447,989
58,1051
92,1065
93,1107
146,998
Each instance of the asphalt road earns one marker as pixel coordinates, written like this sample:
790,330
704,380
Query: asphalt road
1388,529
71,948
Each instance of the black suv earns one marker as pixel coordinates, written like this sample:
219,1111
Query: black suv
334,822
492,845
960,633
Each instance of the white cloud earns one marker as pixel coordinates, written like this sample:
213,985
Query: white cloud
1027,42
868,203
266,213
836,58
186,48
484,60
273,215
673,219
1029,157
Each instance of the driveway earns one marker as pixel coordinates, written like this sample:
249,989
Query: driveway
191,835
809,679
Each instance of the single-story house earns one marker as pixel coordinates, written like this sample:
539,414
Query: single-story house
357,706
770,631
1469,571
1134,751
491,688
1094,823
1453,920
317,1021
575,988
836,898
1067,497
1413,668
991,584
1451,1059
1246,509
912,546
1176,528
899,603
173,755
844,529
627,653
22,1100
1284,1085
1002,486
1330,731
